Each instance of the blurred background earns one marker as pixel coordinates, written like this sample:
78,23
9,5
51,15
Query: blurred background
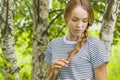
23,30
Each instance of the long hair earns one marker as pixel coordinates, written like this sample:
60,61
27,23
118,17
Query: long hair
85,4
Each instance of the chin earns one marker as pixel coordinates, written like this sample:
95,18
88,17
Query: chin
77,35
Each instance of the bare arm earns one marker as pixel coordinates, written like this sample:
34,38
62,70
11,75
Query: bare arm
101,72
53,70
48,72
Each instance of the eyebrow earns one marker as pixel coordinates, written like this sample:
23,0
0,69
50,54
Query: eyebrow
78,18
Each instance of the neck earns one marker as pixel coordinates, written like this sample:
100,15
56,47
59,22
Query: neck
71,37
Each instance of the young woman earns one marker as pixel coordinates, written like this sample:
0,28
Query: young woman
77,56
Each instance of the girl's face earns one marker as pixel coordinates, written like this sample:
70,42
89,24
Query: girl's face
77,22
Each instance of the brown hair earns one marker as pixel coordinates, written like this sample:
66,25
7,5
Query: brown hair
85,4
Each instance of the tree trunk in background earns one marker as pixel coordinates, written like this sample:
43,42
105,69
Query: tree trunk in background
40,38
7,40
108,23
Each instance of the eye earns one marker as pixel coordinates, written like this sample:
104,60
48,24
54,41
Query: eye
75,19
85,20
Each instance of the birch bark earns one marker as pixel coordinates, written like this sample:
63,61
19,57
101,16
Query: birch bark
7,40
109,23
40,38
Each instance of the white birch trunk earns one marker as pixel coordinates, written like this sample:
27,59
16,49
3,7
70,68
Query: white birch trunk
40,38
109,23
7,40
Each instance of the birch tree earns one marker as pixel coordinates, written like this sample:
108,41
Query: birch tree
7,40
40,38
40,34
109,23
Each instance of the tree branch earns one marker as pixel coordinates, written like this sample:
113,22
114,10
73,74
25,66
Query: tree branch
55,11
98,21
60,31
53,21
30,12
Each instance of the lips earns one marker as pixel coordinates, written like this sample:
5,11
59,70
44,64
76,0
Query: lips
78,30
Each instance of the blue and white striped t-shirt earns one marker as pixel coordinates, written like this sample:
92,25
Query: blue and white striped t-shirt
92,54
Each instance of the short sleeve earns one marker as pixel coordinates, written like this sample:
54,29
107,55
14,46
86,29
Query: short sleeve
48,56
98,54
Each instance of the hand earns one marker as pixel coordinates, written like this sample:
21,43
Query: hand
58,64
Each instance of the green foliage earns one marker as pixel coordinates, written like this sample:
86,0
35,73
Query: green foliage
25,72
11,76
56,21
2,72
57,27
1,77
114,67
94,33
23,36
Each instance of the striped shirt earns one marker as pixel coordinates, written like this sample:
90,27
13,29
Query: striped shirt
92,54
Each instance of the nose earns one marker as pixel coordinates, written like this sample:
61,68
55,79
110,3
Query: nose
80,24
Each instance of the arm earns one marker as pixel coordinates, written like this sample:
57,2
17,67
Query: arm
52,71
101,72
48,72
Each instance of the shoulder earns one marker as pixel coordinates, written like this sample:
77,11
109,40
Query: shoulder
56,41
95,42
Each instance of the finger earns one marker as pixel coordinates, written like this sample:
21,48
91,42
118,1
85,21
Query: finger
57,66
63,60
60,63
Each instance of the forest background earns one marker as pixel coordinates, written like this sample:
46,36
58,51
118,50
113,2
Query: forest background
23,30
